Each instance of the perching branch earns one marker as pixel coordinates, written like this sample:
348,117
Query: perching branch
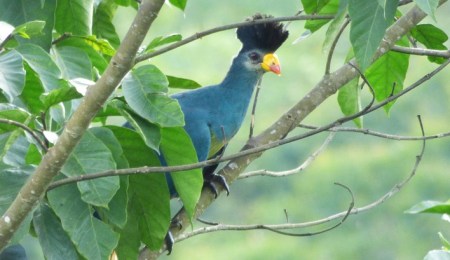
26,129
324,89
95,97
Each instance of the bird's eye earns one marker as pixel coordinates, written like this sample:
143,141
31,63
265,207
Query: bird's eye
254,56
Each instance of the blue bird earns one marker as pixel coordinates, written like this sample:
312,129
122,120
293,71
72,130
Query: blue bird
214,114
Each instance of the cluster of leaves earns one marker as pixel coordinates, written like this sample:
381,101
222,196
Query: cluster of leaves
50,53
368,23
435,207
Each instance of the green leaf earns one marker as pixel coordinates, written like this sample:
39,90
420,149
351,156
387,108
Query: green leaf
74,16
430,206
151,204
29,29
181,4
134,149
17,13
54,241
11,180
103,26
175,82
98,61
12,74
42,64
11,112
432,37
116,213
129,242
91,155
16,149
369,21
162,40
93,239
62,94
32,91
145,90
177,148
428,6
74,63
323,7
313,6
149,132
349,100
100,45
388,73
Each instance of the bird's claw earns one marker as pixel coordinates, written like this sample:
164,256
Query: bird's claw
211,180
169,241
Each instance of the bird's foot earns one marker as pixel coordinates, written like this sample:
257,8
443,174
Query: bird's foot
168,240
211,181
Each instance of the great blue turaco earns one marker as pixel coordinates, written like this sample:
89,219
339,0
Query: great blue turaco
214,114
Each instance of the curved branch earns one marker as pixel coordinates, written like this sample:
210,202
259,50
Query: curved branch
26,129
95,97
272,227
296,170
202,34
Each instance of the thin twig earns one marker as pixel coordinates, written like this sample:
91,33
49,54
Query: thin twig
5,41
202,34
298,169
258,149
26,129
61,38
252,117
274,228
380,134
333,45
422,52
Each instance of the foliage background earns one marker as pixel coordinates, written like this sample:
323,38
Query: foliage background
369,166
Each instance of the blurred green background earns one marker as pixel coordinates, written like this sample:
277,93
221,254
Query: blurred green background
370,166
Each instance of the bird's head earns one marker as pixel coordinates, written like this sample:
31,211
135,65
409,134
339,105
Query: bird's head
259,43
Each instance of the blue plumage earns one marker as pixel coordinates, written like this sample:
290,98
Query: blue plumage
214,114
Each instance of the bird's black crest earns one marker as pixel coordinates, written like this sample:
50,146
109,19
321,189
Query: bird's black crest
265,36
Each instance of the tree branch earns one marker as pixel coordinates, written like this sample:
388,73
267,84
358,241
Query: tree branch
298,169
380,134
324,89
202,34
26,129
422,52
97,94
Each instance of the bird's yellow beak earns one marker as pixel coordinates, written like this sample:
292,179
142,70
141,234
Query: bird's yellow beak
271,63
